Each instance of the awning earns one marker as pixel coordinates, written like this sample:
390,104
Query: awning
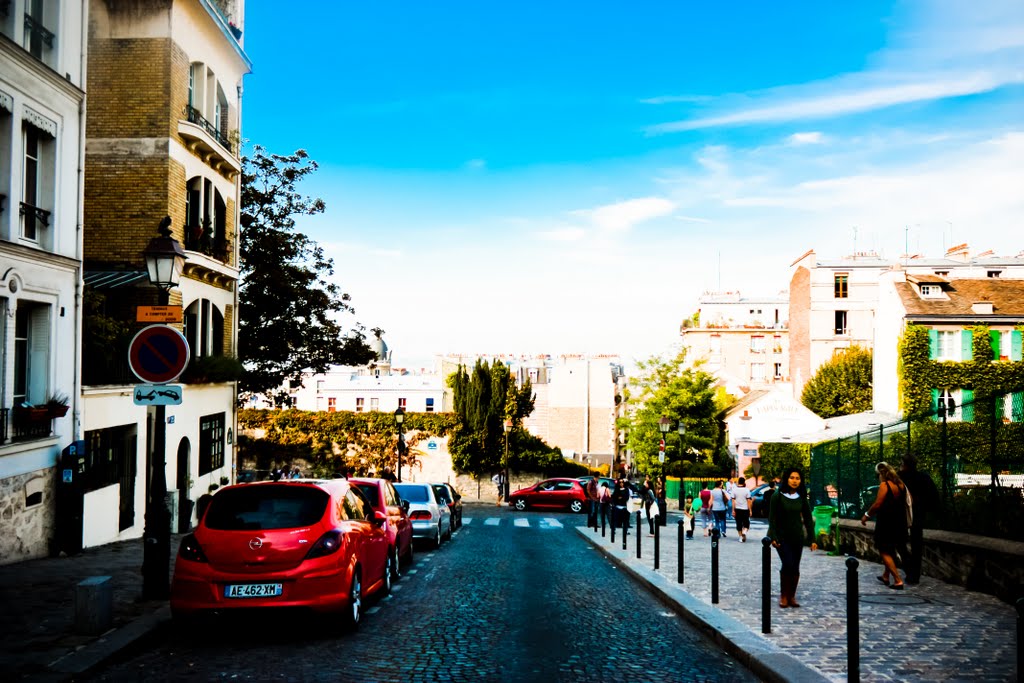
109,279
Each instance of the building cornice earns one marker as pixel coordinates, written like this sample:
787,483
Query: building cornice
222,24
39,256
25,60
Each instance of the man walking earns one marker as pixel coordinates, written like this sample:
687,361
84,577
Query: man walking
499,481
741,508
592,502
925,499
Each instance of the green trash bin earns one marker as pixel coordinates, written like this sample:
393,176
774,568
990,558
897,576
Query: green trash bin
671,488
823,519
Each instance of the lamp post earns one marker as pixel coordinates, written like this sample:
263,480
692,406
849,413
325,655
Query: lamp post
664,425
399,419
508,428
165,260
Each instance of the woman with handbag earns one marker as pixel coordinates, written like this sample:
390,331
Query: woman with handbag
790,525
890,508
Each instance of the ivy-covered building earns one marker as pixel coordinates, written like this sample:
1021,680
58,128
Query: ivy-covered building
942,341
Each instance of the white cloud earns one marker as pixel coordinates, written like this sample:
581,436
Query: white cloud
692,219
810,138
562,235
476,164
624,215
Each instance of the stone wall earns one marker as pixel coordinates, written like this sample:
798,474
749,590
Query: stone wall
27,531
987,565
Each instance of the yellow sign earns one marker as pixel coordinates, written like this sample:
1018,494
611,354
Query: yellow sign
158,314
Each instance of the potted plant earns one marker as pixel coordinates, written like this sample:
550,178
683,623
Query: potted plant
26,413
57,404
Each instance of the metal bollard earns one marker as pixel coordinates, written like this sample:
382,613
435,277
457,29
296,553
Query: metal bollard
715,533
611,523
766,585
1020,639
680,550
657,544
639,535
603,520
625,527
853,622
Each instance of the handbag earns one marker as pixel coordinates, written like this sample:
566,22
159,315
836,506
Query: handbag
910,506
655,510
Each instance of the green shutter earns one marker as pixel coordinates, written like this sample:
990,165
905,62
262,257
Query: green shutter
1017,406
1015,345
966,348
995,335
935,403
933,344
966,400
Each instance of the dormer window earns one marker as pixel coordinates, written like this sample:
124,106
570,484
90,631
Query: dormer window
993,273
931,291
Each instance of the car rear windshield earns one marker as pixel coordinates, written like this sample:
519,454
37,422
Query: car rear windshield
255,508
414,493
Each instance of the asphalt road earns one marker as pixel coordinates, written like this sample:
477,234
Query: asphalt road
514,597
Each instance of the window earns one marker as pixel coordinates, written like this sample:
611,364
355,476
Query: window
942,273
36,193
211,443
204,329
332,404
319,385
359,405
757,343
931,290
374,405
841,323
993,273
715,344
401,404
31,352
757,372
205,218
430,405
947,345
778,371
1013,407
39,39
842,285
110,457
777,344
1006,345
947,402
207,104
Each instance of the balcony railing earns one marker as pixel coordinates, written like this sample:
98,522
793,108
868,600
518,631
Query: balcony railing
30,423
4,413
97,371
220,136
33,219
215,247
35,28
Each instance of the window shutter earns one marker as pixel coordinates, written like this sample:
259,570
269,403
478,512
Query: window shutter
935,404
995,336
1017,406
966,351
1015,345
933,344
38,353
966,398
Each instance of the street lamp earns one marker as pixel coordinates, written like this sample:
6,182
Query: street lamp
399,419
508,428
164,261
664,424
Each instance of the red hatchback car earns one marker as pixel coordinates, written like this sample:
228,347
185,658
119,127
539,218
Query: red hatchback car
383,497
550,493
291,543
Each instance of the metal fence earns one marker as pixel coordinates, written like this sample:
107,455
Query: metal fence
973,452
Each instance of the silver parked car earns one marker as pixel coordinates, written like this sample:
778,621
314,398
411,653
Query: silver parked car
430,516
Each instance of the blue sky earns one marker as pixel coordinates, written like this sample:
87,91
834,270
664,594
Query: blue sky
566,177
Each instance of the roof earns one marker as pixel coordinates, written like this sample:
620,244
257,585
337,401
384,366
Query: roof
1006,296
926,279
110,279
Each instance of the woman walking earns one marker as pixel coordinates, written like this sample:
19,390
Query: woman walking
719,506
890,508
790,525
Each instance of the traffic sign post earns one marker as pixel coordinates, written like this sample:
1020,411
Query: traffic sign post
158,354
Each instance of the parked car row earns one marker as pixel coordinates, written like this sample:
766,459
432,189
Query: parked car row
321,545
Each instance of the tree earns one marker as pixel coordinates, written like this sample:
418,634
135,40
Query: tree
482,400
289,314
665,388
842,386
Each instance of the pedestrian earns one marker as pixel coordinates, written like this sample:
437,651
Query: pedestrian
766,499
499,481
890,508
296,474
705,509
925,497
693,505
790,526
659,493
277,473
592,501
648,498
719,506
619,498
741,508
729,486
604,496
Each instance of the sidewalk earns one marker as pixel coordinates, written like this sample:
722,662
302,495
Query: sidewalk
37,621
930,632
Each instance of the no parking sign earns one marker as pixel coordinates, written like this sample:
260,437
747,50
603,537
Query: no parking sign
158,354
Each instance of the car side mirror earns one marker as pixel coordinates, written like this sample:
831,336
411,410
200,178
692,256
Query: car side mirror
379,517
405,505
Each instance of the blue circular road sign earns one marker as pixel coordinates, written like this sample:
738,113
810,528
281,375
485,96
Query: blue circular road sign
158,354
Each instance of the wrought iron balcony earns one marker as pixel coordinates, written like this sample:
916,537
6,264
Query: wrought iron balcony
35,28
220,136
30,423
4,413
111,370
33,219
215,247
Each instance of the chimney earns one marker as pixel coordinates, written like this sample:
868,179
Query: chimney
982,307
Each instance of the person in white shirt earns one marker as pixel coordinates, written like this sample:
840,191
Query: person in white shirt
741,508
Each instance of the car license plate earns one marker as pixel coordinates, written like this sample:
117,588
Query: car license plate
252,590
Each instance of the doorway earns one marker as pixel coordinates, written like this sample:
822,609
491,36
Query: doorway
185,503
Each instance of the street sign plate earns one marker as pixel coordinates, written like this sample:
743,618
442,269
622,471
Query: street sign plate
158,394
661,457
158,314
158,354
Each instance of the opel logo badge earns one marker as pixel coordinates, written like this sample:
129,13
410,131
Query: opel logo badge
255,544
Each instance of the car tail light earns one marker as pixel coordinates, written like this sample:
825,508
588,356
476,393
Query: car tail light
328,543
420,514
191,550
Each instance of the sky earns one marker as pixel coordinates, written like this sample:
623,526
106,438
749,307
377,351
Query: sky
569,177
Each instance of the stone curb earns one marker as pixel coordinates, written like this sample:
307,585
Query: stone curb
108,645
760,656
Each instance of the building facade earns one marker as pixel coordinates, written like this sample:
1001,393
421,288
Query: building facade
162,140
42,109
742,338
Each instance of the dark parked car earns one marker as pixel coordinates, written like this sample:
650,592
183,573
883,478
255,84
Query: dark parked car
453,499
551,493
382,496
757,507
304,543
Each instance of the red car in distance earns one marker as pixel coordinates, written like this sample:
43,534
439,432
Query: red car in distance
561,493
384,498
291,543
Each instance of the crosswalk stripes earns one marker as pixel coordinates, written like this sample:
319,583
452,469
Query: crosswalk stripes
520,522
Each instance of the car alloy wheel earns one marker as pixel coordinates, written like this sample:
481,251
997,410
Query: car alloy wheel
437,536
520,504
577,506
354,611
396,565
386,578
